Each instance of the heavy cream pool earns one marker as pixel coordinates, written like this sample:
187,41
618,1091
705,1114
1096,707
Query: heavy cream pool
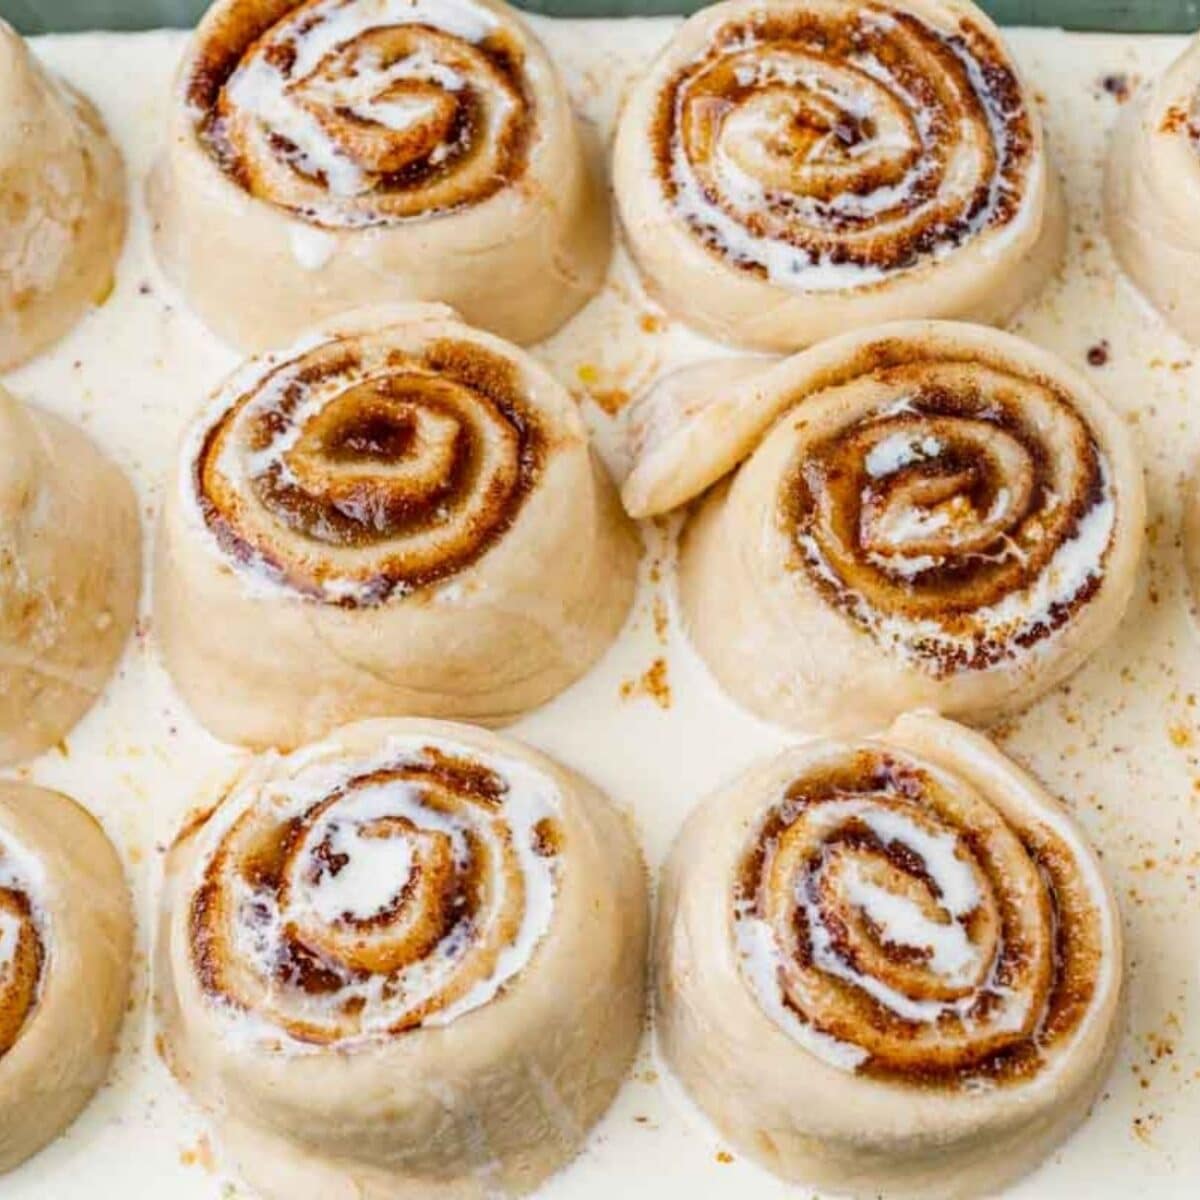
1120,742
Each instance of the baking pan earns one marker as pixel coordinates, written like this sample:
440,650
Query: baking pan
1149,16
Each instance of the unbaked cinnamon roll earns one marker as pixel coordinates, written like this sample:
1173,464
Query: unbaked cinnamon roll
791,169
70,572
931,515
325,154
396,516
66,933
1152,192
889,967
404,962
62,204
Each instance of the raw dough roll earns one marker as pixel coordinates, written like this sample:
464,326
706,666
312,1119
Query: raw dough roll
405,963
327,154
70,571
791,169
889,967
941,516
1152,193
397,516
62,205
66,935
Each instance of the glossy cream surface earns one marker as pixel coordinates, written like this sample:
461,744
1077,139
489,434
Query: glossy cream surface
1120,742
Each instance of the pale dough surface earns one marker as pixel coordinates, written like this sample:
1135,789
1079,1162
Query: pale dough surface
1121,742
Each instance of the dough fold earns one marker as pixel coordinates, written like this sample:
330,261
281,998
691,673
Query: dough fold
889,966
405,963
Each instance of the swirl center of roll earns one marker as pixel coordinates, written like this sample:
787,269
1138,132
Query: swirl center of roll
890,920
351,114
360,900
960,513
827,146
22,943
353,473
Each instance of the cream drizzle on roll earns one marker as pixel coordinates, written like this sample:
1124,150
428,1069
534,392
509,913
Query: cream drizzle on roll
347,152
787,170
1152,192
405,961
870,949
363,508
930,514
345,899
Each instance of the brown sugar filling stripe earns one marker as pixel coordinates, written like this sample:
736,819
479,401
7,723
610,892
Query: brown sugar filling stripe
356,472
857,136
258,946
874,824
353,116
920,517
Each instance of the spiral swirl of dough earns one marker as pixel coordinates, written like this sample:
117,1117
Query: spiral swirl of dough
406,960
352,471
930,514
375,895
397,515
829,154
352,114
889,965
892,919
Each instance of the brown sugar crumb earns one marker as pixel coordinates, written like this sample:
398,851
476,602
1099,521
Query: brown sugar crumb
661,619
1180,735
610,400
724,1157
1097,355
200,1155
649,323
653,683
1117,86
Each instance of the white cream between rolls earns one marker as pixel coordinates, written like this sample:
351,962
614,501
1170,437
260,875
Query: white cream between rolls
1152,192
889,966
62,207
791,169
930,514
70,572
399,515
407,961
327,154
66,934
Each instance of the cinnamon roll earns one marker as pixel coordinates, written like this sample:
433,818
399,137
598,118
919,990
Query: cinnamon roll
889,966
62,205
66,933
404,962
791,169
1152,192
932,515
70,571
325,154
396,516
